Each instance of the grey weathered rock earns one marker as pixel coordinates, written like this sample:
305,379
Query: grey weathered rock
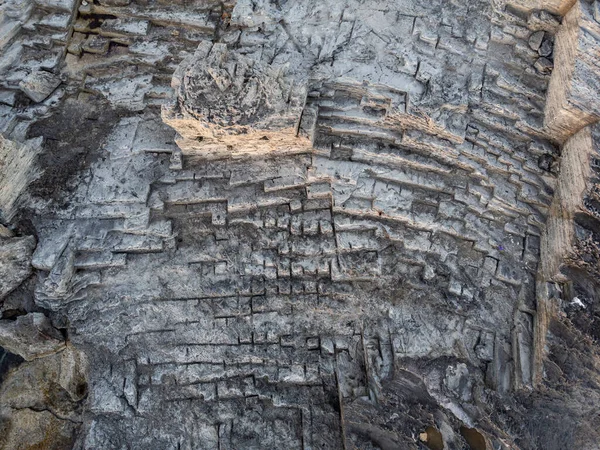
572,101
17,171
306,224
544,65
39,84
31,336
15,262
546,48
536,39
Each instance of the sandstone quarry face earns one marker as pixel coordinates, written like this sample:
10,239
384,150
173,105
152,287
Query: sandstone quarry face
298,224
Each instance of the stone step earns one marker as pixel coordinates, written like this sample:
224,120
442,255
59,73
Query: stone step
99,260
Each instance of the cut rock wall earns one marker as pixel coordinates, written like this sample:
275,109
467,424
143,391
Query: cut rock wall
304,224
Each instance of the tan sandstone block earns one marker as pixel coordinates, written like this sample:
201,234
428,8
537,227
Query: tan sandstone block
575,182
572,101
560,7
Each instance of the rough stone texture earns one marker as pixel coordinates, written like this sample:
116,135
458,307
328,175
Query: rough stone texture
256,80
40,402
571,240
31,336
554,6
301,225
572,95
223,94
576,184
15,262
39,85
16,172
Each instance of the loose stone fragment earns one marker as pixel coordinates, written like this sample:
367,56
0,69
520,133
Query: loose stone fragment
546,48
96,44
544,65
536,40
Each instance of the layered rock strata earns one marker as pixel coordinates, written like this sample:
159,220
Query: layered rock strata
301,224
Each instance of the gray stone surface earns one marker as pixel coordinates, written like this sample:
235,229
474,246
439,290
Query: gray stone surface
299,225
39,85
30,336
15,262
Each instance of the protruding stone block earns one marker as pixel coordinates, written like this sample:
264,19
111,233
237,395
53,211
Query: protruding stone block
573,101
39,85
31,336
227,99
15,262
17,170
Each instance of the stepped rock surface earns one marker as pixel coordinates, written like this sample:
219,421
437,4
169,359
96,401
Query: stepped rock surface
300,224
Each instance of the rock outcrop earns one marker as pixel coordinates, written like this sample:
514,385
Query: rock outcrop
266,224
15,262
31,336
41,401
572,95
